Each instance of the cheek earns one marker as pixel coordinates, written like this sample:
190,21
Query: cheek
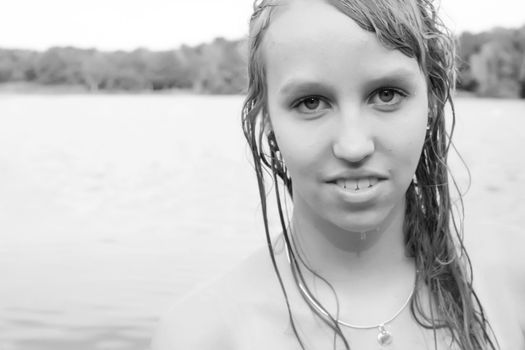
302,149
406,145
294,147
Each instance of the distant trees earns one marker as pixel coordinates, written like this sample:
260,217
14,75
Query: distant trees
217,67
222,67
492,64
17,65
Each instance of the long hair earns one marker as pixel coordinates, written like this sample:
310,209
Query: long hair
432,229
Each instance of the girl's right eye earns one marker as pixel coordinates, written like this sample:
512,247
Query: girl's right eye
311,105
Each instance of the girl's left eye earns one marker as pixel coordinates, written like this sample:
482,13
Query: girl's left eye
387,97
311,105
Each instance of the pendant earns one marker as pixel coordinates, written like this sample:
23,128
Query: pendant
384,337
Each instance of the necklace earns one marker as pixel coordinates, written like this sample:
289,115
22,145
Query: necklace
383,338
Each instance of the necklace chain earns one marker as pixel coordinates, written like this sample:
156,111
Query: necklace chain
319,308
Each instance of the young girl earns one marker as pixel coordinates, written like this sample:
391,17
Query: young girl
345,113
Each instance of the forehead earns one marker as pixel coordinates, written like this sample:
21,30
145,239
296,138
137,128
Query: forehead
313,37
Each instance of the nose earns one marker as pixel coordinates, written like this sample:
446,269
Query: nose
353,140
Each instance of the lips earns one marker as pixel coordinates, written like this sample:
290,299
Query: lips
357,184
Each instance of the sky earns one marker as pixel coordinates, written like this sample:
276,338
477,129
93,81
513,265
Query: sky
167,24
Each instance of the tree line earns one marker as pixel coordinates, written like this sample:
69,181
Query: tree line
217,67
492,63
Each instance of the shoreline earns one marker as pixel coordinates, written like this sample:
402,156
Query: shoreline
32,89
24,88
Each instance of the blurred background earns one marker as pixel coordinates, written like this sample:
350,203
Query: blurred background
124,177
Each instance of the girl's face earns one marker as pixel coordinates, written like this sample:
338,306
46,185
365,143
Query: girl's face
349,116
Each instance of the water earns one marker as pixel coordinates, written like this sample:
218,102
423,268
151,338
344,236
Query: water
112,206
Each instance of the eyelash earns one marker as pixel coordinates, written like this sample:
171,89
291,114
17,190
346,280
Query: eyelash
397,99
397,93
301,101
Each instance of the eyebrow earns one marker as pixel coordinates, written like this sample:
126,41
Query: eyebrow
397,74
386,76
302,85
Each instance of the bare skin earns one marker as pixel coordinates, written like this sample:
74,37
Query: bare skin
350,119
245,309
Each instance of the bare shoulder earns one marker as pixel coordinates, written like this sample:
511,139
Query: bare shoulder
194,323
498,260
222,313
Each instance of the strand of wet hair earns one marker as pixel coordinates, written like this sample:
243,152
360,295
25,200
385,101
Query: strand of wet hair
318,276
295,267
248,119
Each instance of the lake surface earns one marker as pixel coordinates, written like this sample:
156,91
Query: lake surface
113,206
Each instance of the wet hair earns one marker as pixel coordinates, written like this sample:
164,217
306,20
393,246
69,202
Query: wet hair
433,225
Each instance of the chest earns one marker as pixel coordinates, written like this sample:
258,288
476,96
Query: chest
271,329
268,327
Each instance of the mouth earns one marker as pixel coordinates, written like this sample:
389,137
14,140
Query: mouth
357,184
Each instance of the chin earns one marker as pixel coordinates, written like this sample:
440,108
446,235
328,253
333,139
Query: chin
364,222
359,228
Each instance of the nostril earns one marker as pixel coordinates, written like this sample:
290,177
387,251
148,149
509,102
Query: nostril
353,150
353,140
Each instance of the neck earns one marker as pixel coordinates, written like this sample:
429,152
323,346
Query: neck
354,260
368,278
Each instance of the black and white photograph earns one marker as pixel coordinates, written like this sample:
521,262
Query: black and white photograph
262,175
